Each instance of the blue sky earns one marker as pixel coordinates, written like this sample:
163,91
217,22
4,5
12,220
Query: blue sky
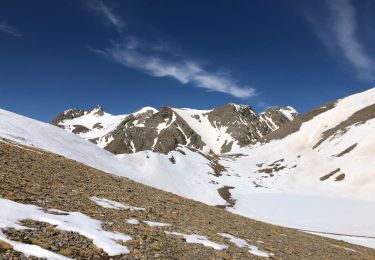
127,54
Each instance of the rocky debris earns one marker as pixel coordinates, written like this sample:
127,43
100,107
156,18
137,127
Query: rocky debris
54,182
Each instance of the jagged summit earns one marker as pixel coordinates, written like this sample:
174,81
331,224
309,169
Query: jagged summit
97,110
218,130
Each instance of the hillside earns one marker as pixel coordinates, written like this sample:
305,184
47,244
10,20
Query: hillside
79,211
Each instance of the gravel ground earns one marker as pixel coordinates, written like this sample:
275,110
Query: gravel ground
52,181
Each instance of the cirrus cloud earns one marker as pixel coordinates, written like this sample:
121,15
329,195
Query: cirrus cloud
157,63
6,28
108,14
337,27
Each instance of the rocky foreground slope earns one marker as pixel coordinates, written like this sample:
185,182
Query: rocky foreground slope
219,130
84,213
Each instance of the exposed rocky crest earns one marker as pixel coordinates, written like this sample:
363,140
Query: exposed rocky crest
67,115
219,130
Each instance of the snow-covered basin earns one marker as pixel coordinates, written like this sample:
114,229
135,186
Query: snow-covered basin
322,215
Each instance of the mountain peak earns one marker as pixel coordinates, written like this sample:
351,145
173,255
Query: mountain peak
97,110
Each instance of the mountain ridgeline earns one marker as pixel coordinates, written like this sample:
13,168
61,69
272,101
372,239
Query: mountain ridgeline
219,130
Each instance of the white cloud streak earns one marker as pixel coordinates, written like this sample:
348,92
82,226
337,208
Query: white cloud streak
107,13
340,36
344,29
6,28
155,63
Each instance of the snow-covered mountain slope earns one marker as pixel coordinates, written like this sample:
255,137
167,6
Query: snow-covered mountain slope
329,152
314,173
94,124
317,172
218,130
279,116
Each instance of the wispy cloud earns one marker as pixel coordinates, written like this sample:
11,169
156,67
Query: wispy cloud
108,14
159,60
158,63
344,28
6,28
339,33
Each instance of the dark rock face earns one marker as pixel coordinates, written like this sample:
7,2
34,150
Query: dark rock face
78,129
130,137
277,117
241,121
68,114
97,126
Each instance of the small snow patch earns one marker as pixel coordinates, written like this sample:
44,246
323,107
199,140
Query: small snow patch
156,224
110,204
242,243
32,250
197,239
132,221
346,248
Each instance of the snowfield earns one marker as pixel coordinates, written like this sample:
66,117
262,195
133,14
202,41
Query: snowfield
286,182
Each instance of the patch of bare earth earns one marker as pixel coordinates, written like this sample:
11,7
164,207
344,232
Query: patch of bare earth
272,168
54,182
340,177
224,192
347,150
329,175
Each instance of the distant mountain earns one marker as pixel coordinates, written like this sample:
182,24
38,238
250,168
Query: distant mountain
218,130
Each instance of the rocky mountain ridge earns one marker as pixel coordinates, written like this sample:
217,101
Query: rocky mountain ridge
219,130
